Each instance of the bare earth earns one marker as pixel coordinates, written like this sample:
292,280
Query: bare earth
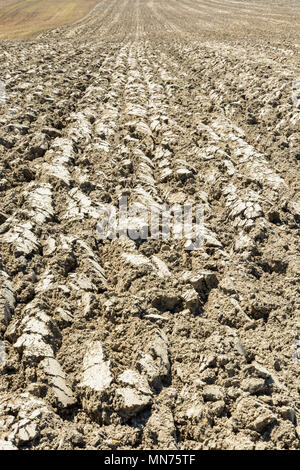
143,344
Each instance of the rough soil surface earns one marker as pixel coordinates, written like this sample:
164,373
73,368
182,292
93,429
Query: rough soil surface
145,345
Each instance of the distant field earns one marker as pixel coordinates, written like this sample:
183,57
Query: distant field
26,18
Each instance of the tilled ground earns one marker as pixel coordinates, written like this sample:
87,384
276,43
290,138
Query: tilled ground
145,345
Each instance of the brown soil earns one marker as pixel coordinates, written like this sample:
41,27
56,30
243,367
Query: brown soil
145,345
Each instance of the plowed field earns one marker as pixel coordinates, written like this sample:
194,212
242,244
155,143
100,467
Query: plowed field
142,343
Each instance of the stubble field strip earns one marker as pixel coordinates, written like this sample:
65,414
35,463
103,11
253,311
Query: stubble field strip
26,18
